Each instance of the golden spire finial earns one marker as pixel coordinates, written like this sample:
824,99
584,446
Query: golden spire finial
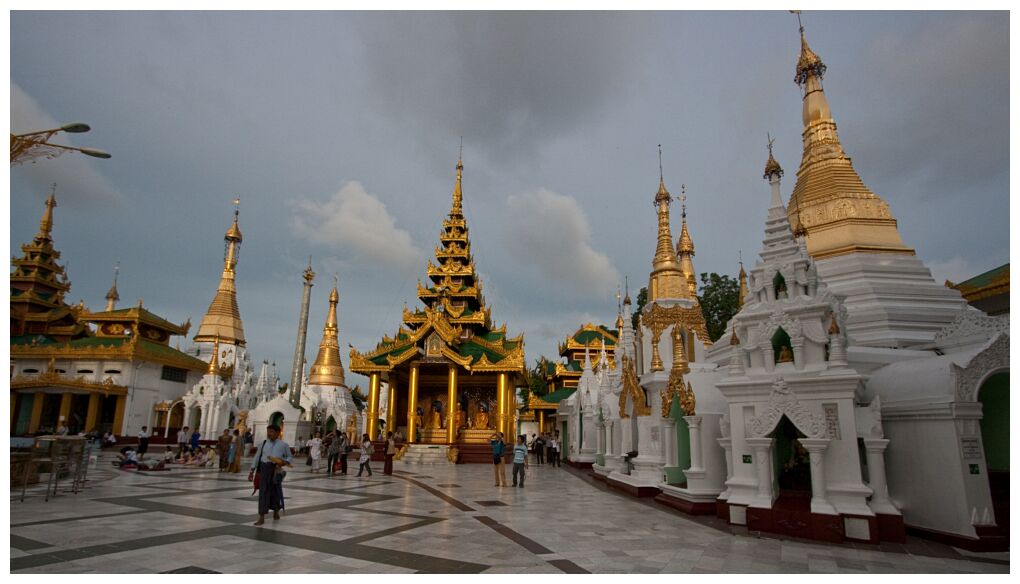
772,167
214,362
112,296
458,195
223,319
328,369
809,64
46,223
666,279
626,291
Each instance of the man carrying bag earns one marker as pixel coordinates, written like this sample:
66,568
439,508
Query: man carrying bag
267,465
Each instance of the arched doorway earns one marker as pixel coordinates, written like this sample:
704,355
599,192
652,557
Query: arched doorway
791,471
330,424
994,398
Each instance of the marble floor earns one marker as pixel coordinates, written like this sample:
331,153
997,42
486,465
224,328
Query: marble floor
428,519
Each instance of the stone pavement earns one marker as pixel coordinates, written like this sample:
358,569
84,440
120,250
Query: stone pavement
445,519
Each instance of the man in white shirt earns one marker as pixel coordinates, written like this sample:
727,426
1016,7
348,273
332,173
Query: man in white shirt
143,441
182,441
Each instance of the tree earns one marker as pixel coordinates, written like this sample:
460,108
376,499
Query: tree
642,299
535,381
719,295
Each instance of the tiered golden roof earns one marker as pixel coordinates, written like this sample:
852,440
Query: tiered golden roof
328,369
38,287
223,319
685,254
454,309
742,277
830,204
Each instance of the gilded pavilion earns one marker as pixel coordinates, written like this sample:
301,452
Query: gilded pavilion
65,373
450,373
562,377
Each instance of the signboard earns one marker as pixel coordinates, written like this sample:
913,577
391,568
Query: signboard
971,447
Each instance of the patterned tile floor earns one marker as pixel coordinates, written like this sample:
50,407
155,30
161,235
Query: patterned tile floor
445,519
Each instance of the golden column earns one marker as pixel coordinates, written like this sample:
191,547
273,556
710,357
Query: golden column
451,400
412,404
373,406
503,407
37,405
118,415
541,421
65,409
391,406
93,412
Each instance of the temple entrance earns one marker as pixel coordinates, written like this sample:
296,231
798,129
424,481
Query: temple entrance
330,424
791,467
79,411
994,398
108,413
50,412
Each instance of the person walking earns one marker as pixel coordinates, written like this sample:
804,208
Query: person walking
498,448
556,449
234,452
315,451
520,461
182,441
332,445
366,455
143,442
223,449
540,448
272,455
391,449
345,449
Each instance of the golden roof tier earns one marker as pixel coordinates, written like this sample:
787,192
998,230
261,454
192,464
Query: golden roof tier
38,287
328,369
223,319
685,248
830,205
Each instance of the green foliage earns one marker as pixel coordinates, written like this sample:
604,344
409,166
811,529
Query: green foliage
642,299
719,296
359,400
535,381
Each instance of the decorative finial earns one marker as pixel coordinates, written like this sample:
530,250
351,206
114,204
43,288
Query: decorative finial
809,64
772,167
799,23
683,201
237,206
660,163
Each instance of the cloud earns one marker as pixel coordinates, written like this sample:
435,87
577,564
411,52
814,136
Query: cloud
548,235
78,184
955,269
503,81
358,224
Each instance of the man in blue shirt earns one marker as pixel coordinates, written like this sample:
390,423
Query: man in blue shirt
498,446
271,456
520,461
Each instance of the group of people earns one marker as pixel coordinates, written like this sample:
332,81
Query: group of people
546,447
335,447
520,459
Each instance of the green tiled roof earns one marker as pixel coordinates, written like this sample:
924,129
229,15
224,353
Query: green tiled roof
586,337
469,349
558,395
985,278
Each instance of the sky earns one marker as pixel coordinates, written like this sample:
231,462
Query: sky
340,131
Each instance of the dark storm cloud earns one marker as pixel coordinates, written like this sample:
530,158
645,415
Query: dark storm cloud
508,81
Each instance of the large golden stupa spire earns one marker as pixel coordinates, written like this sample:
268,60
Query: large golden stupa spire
830,205
666,279
328,369
223,320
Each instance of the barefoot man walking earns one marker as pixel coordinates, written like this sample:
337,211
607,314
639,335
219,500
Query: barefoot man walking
272,455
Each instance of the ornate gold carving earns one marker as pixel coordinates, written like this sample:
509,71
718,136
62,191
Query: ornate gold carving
632,389
51,378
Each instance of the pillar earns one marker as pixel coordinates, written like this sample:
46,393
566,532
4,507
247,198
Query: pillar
92,415
37,406
373,406
769,356
118,416
451,408
694,428
727,446
669,445
501,406
763,469
65,409
798,352
541,421
816,449
391,405
412,402
875,452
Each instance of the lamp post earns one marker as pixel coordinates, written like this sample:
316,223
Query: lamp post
28,147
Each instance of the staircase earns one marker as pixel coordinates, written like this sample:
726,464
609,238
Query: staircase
425,454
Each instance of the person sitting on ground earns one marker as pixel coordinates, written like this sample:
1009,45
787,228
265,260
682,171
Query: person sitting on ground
169,455
198,458
127,458
109,439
